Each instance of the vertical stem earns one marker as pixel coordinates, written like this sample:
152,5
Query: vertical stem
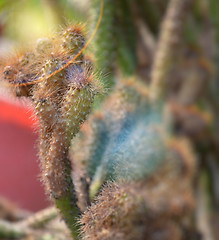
170,36
105,39
58,179
202,214
61,116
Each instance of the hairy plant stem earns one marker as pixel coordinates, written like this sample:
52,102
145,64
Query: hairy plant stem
59,181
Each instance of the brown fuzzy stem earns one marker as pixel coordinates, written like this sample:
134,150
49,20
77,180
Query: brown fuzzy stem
56,168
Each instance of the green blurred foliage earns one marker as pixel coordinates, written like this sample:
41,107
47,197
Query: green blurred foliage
27,20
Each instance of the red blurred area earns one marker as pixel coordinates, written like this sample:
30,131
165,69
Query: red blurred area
19,170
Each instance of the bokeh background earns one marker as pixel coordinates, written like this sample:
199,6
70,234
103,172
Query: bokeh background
126,45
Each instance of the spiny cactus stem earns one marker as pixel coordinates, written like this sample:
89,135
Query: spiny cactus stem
170,37
57,173
41,79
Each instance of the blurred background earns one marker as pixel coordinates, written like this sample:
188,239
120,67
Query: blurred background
125,45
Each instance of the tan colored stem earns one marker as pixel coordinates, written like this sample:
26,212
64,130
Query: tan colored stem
170,37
